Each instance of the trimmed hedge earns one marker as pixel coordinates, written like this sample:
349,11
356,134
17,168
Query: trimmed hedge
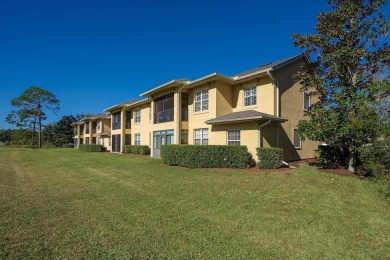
137,149
68,146
206,156
269,157
91,148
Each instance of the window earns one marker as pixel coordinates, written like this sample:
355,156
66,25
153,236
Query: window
99,125
163,109
233,137
103,141
98,140
137,139
250,96
128,119
201,101
137,116
297,139
87,140
306,101
184,106
87,128
116,124
109,141
201,136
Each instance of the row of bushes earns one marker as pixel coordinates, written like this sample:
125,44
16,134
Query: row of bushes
91,148
374,160
206,156
219,156
137,149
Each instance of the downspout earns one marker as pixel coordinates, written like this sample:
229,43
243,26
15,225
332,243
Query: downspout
260,126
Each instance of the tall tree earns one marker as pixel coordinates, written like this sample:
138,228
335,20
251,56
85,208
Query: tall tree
63,131
32,103
347,55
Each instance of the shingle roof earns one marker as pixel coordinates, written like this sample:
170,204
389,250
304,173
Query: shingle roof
267,66
129,102
246,115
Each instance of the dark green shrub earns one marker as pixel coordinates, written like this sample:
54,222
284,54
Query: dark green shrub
269,157
335,155
91,148
137,149
374,160
206,156
67,146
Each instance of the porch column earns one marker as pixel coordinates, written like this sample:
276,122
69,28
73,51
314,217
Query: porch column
176,112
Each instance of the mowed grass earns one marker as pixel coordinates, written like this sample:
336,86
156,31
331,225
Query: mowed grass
63,203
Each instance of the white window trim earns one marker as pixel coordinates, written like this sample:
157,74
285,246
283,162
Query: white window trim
227,136
201,105
139,116
300,139
137,141
305,109
201,136
243,94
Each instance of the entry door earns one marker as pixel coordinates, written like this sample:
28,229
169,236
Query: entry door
116,143
161,138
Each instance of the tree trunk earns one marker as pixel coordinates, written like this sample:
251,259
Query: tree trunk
39,127
33,132
352,160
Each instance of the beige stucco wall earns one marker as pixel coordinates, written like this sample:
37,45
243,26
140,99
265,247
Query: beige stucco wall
291,108
144,128
265,96
248,135
224,98
197,120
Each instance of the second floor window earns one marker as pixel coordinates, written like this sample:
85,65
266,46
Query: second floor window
116,124
128,119
306,101
99,125
201,136
137,116
250,96
87,128
163,109
201,101
137,139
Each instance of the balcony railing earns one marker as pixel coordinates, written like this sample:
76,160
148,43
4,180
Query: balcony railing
184,114
116,125
163,116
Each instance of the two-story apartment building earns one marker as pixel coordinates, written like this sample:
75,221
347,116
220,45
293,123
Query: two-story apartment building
257,108
94,129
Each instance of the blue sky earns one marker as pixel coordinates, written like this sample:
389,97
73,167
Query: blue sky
95,54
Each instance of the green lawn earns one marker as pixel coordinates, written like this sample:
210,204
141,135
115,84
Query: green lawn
63,203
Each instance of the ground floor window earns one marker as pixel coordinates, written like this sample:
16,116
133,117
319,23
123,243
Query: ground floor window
184,137
87,140
233,137
201,136
109,141
137,139
98,140
297,139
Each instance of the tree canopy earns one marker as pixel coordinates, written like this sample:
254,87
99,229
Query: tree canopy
31,105
347,57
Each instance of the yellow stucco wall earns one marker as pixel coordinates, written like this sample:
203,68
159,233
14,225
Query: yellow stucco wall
265,93
291,108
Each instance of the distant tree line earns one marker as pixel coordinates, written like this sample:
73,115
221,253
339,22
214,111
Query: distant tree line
55,134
